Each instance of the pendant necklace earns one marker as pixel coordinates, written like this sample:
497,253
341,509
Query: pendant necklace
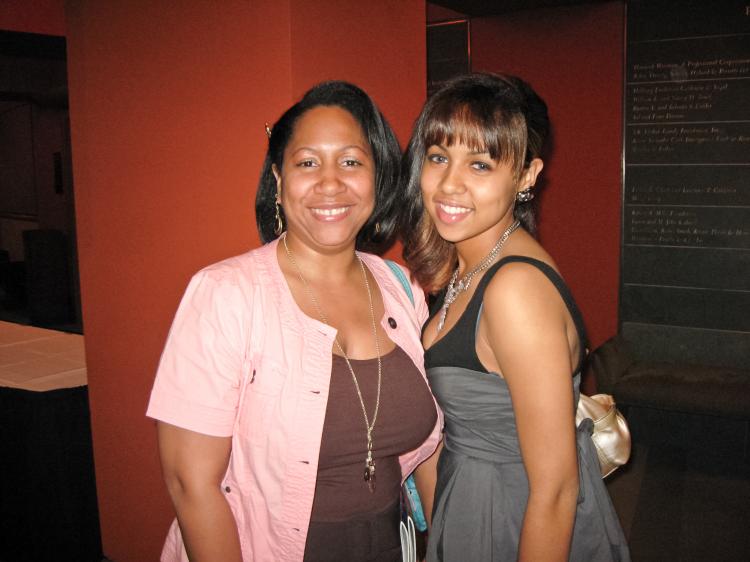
453,290
369,473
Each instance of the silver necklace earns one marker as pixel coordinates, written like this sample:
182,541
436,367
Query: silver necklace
369,462
453,290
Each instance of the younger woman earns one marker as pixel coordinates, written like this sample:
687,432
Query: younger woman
515,479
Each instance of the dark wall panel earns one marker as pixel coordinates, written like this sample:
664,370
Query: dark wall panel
695,308
447,52
723,348
685,267
686,219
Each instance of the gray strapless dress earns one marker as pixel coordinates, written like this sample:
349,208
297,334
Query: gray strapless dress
482,488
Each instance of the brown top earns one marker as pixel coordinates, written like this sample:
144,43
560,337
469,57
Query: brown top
406,418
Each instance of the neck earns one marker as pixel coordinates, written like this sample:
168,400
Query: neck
334,266
473,250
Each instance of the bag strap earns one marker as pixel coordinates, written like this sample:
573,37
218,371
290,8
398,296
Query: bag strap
410,496
399,273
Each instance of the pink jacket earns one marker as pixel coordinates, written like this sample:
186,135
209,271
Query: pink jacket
242,360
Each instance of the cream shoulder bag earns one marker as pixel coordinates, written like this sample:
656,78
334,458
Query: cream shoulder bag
611,435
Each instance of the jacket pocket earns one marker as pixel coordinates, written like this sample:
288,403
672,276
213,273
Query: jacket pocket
260,407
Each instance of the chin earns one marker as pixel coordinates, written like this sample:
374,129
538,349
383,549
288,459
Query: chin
450,234
334,240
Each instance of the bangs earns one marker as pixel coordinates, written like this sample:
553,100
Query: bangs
500,133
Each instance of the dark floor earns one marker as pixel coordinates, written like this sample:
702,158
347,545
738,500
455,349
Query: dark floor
682,498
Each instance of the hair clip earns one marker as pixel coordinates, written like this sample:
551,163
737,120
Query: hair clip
268,131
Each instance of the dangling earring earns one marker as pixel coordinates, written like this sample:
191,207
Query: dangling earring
525,196
279,226
377,227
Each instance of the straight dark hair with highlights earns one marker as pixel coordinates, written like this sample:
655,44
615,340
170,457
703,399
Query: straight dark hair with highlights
385,152
501,115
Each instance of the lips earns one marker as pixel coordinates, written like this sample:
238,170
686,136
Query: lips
449,212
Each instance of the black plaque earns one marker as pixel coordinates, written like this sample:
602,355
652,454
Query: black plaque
685,291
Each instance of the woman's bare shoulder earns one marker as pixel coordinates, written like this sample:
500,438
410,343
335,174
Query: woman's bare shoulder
520,289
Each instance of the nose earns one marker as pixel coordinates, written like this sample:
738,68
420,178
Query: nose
452,180
330,182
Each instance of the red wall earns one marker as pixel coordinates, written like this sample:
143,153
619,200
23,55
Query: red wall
573,57
374,44
46,17
437,13
167,104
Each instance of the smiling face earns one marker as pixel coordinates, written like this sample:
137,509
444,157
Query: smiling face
327,180
468,194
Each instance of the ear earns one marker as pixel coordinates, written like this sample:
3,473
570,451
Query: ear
529,175
277,176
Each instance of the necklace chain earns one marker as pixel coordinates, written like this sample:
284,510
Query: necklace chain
369,474
453,290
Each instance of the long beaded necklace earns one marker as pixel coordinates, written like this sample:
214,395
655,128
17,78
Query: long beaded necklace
369,474
453,290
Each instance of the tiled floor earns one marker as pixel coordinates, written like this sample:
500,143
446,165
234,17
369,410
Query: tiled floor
38,359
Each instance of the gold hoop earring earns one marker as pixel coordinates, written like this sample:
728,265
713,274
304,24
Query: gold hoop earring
377,227
279,225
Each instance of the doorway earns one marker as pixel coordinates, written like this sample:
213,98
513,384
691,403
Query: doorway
38,260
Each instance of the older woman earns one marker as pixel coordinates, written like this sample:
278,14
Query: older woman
515,479
291,394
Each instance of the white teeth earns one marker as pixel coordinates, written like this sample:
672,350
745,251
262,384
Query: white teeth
330,212
451,210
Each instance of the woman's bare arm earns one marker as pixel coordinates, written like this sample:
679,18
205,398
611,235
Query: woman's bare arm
425,477
193,465
526,328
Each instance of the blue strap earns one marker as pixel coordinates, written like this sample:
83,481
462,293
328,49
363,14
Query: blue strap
399,273
410,487
415,504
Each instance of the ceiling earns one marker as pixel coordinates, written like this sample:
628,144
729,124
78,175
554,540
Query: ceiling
476,8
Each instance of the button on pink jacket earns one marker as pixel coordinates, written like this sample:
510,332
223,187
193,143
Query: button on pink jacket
242,360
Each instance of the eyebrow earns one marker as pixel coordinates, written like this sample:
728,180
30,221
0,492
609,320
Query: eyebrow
438,145
358,147
343,148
